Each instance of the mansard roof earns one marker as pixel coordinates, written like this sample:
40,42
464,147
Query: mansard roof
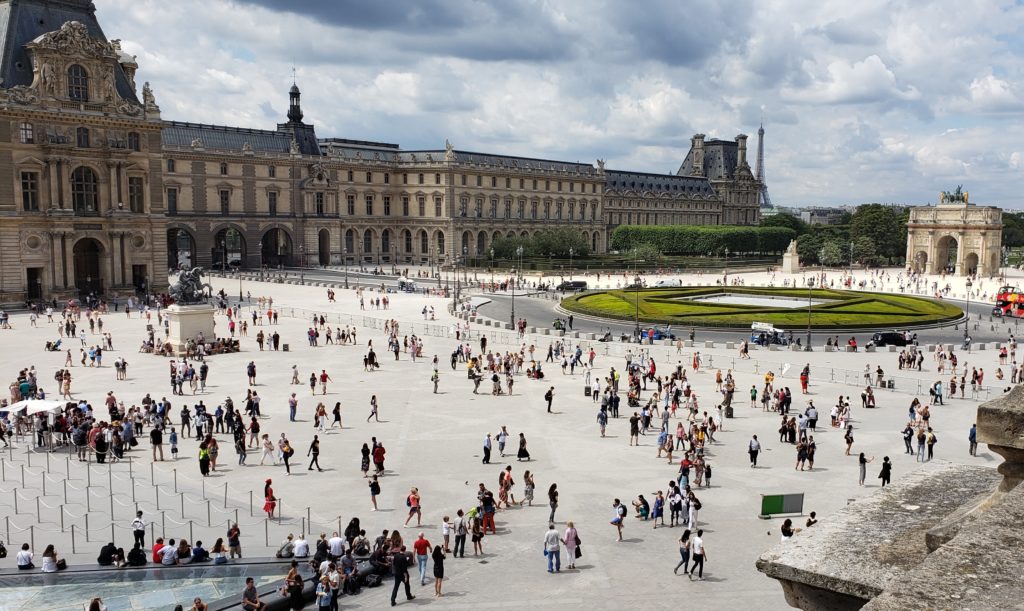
658,183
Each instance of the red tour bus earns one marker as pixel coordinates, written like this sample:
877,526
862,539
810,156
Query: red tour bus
1009,302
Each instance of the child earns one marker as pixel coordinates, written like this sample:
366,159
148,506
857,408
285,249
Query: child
707,474
446,530
174,444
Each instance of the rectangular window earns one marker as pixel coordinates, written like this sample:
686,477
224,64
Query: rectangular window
572,187
547,185
559,185
463,180
508,183
494,181
272,203
369,177
350,202
82,138
318,198
25,131
522,183
170,166
422,178
437,206
387,204
30,191
272,171
369,204
422,205
350,176
136,194
534,184
405,205
405,179
172,201
479,180
223,169
387,178
437,179
225,201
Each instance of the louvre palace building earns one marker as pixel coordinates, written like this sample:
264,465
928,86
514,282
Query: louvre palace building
99,193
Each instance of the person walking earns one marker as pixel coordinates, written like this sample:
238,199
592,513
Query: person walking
314,451
373,409
972,439
374,492
618,517
549,396
700,554
684,553
400,569
864,467
487,450
886,473
422,549
460,529
754,448
552,549
931,440
553,501
571,541
523,453
413,503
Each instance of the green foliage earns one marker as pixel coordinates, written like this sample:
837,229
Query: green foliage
647,253
864,252
784,219
885,226
1013,229
831,254
703,240
809,246
555,242
841,310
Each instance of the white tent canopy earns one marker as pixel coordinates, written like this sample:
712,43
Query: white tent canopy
35,406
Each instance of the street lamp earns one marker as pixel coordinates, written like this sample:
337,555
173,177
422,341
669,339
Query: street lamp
967,320
519,251
810,289
726,265
636,295
345,263
302,264
260,246
492,266
570,263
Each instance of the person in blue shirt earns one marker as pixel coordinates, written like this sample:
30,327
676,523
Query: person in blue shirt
972,437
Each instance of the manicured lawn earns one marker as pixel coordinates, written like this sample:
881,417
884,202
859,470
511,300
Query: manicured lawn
842,309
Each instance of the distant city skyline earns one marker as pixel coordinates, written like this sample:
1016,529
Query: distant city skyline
865,102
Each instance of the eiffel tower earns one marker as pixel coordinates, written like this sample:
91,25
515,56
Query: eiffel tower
762,197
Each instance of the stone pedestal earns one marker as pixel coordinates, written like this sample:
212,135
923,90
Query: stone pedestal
186,322
790,262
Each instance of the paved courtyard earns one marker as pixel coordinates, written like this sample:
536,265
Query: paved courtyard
434,443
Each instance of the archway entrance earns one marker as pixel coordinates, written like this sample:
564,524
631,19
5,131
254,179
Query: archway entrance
228,250
276,248
87,253
181,249
324,247
971,263
946,255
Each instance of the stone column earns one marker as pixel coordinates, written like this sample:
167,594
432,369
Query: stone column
111,188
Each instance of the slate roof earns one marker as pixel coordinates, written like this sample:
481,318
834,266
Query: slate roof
181,134
719,160
22,21
658,183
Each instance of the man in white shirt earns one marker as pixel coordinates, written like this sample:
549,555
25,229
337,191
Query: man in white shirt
699,555
301,547
552,549
25,558
336,547
139,529
754,448
169,554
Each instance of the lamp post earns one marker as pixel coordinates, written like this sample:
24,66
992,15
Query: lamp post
519,251
636,296
967,320
810,289
727,265
492,266
570,263
345,263
260,246
302,264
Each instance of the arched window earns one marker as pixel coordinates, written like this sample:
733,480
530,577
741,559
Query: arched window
350,241
368,242
408,241
84,188
82,137
78,83
424,246
385,240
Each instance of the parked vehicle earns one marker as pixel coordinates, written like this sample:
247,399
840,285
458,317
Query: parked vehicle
572,285
764,334
668,282
891,338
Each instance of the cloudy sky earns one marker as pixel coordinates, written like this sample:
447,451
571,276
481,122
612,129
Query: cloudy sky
862,101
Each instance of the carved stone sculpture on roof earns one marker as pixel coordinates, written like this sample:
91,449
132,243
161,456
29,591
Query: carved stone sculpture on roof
293,148
73,39
376,156
430,157
412,156
246,148
197,143
148,99
317,171
449,151
46,80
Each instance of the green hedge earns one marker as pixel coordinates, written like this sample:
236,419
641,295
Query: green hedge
702,240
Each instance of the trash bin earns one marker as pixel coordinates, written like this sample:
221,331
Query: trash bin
890,383
284,347
586,390
728,411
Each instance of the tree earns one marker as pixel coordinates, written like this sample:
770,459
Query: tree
886,228
864,252
648,253
784,219
1013,229
832,254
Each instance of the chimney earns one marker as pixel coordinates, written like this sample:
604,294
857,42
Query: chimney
741,153
697,146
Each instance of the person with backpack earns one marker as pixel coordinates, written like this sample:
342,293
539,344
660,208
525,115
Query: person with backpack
619,517
413,503
931,440
549,397
460,529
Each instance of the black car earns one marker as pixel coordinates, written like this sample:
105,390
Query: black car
890,338
572,285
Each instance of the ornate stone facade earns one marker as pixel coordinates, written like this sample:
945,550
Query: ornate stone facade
955,237
100,195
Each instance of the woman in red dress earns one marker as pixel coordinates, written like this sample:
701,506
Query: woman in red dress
270,501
